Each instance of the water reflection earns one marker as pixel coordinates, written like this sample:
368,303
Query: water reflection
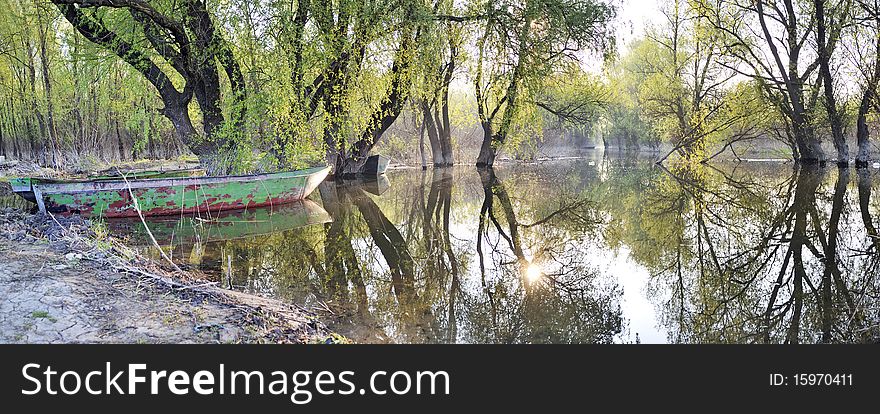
767,259
538,253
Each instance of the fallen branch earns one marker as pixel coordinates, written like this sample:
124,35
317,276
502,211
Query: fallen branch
137,208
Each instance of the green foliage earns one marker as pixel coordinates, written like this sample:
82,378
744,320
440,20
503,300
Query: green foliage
318,77
622,122
679,84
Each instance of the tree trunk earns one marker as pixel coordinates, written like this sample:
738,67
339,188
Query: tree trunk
299,23
862,134
433,135
53,157
486,159
868,98
422,130
834,117
205,77
445,128
809,147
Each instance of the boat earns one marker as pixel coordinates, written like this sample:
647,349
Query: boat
374,185
23,185
375,165
114,197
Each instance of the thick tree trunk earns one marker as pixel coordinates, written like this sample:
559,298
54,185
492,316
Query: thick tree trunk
298,28
178,114
204,74
486,159
809,147
836,123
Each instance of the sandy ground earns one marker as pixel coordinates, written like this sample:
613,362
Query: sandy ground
50,298
57,287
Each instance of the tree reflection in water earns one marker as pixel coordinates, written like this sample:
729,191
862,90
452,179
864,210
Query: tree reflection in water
741,254
764,261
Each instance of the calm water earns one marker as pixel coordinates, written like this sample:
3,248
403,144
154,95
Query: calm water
603,250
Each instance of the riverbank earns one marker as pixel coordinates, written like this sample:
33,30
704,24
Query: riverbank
64,281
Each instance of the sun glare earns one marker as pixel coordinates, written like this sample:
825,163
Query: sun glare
534,272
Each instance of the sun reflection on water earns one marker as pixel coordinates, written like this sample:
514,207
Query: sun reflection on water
534,272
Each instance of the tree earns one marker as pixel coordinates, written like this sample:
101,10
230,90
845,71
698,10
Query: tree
864,52
439,47
185,38
520,42
685,77
828,27
770,42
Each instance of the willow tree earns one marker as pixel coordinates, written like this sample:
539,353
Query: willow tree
177,47
350,67
862,47
519,42
683,79
830,18
439,55
775,43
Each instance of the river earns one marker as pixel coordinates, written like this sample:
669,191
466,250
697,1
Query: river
593,250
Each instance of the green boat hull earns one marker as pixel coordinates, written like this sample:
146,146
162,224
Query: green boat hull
168,196
23,186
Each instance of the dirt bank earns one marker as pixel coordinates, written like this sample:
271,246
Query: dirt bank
61,282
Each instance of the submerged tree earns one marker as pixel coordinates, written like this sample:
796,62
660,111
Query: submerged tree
862,45
683,80
518,44
772,43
